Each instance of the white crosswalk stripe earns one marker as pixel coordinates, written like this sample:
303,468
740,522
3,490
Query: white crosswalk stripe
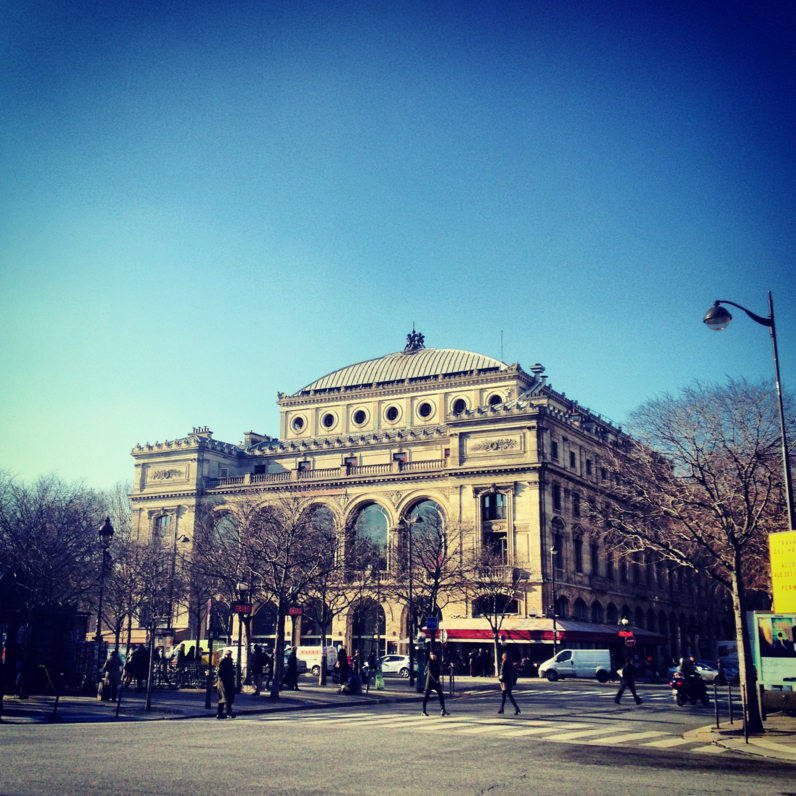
578,732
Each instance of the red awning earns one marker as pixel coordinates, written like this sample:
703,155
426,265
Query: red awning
519,630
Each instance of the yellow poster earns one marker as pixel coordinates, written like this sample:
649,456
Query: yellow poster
783,571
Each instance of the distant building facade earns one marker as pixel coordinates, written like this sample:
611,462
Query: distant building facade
489,446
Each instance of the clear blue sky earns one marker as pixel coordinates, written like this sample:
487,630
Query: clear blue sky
204,203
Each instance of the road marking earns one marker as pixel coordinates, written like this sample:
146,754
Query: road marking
538,730
569,736
632,736
711,750
668,743
482,728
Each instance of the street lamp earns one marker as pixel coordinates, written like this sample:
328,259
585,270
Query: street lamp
553,554
718,318
243,589
408,522
105,536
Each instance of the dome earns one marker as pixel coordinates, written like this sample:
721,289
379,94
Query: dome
423,363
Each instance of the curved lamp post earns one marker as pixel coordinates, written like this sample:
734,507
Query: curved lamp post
243,589
408,522
553,554
718,318
105,536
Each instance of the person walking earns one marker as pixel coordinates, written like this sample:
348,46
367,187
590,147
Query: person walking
226,686
628,675
508,679
269,668
113,673
434,683
474,666
291,676
141,666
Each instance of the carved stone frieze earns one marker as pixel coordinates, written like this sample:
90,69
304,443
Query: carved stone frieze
495,445
395,497
167,474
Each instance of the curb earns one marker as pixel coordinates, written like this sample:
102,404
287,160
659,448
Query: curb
758,745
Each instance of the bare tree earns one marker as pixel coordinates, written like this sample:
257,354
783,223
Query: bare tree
493,587
701,485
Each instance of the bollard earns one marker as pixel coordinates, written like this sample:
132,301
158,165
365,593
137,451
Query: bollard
729,699
716,703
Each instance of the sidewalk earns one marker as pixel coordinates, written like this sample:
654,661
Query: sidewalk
190,704
778,742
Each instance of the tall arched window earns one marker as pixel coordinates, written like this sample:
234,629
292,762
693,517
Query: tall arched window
370,537
596,612
368,627
580,611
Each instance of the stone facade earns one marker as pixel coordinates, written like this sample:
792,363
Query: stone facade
451,427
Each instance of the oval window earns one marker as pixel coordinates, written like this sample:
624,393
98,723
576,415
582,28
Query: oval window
425,410
298,423
328,420
360,417
459,405
392,413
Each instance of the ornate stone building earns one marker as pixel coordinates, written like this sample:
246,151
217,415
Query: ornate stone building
490,447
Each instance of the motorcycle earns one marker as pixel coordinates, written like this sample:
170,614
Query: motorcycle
686,690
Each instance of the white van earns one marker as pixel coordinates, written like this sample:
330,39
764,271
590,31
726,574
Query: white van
578,663
313,656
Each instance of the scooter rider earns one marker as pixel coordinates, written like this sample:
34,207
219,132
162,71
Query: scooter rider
692,679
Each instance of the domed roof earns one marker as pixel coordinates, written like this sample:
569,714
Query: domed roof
422,363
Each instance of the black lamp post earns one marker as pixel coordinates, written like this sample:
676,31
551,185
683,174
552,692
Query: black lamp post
718,318
408,525
553,554
105,536
243,589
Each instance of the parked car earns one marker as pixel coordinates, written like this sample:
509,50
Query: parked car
395,664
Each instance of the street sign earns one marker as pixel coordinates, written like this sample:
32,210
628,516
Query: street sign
443,636
626,633
431,623
502,638
630,641
295,610
242,608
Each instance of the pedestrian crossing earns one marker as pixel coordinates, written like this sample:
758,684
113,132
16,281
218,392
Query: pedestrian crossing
614,734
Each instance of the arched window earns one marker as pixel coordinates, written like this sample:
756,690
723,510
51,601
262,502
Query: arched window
162,525
597,612
651,620
611,614
562,607
626,613
639,619
580,611
312,631
430,541
370,538
368,626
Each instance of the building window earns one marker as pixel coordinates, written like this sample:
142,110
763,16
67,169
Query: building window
162,525
392,413
553,449
603,474
351,461
572,460
446,453
580,611
493,506
223,472
588,466
597,612
259,469
495,400
298,424
578,550
576,504
623,570
425,410
595,559
558,546
328,420
459,406
399,457
609,566
303,466
556,497
360,416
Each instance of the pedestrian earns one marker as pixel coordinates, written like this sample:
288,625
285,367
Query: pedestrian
226,686
141,666
434,683
342,665
628,675
113,673
474,663
291,675
190,657
180,654
355,662
269,668
721,677
508,679
486,663
258,666
128,668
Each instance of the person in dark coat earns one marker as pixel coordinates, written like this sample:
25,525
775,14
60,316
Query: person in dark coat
475,663
226,686
434,683
628,675
113,673
291,675
342,665
191,655
485,663
141,666
268,667
508,679
258,666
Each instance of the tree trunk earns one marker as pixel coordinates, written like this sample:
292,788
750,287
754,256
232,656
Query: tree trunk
279,651
745,658
324,621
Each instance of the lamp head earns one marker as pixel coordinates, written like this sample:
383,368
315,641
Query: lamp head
106,533
717,318
242,587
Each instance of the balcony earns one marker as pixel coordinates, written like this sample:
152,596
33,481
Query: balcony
329,473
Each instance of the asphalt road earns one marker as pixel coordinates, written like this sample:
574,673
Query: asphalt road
570,739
